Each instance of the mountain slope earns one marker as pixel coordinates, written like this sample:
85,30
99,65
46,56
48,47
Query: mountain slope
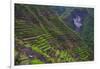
41,31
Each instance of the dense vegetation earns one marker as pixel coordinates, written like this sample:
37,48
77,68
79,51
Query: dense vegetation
45,34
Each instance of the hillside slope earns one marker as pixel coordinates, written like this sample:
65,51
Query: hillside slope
42,36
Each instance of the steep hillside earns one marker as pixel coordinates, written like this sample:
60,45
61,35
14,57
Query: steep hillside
42,36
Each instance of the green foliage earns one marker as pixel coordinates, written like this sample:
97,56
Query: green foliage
41,46
65,57
83,53
36,61
50,39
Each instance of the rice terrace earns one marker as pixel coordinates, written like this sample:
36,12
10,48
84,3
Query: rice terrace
53,34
